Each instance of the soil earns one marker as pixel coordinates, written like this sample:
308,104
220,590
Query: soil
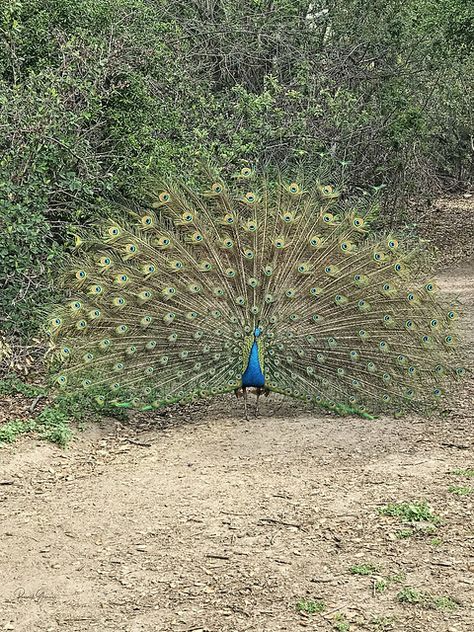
195,520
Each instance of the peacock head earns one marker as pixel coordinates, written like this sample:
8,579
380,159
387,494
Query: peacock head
257,332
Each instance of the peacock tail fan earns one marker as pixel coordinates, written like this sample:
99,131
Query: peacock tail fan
163,306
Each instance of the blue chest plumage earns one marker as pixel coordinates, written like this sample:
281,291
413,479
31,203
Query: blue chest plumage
253,375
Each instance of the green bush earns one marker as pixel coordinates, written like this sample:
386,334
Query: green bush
100,98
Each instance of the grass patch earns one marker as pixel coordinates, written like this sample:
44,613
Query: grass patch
444,603
309,606
380,585
363,569
410,512
53,423
410,595
12,385
461,490
404,533
416,597
14,428
397,579
468,473
383,623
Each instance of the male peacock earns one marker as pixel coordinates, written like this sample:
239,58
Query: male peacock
259,285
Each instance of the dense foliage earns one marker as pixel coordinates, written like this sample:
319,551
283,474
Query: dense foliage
99,97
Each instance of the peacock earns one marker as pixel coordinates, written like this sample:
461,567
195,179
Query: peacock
253,282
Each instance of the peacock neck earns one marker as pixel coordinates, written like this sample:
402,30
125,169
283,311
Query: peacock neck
253,374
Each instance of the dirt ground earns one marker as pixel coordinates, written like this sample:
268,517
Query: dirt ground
197,521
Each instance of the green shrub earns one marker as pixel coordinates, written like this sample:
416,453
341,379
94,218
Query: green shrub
102,98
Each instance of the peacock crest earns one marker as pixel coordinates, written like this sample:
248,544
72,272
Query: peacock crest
207,292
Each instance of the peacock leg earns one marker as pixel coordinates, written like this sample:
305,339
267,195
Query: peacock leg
244,391
258,393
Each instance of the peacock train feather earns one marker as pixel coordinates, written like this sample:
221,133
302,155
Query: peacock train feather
253,284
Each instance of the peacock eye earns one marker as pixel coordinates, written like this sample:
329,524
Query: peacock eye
250,197
327,269
164,196
216,187
81,274
294,188
398,267
246,172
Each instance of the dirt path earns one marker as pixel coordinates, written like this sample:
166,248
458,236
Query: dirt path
203,522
